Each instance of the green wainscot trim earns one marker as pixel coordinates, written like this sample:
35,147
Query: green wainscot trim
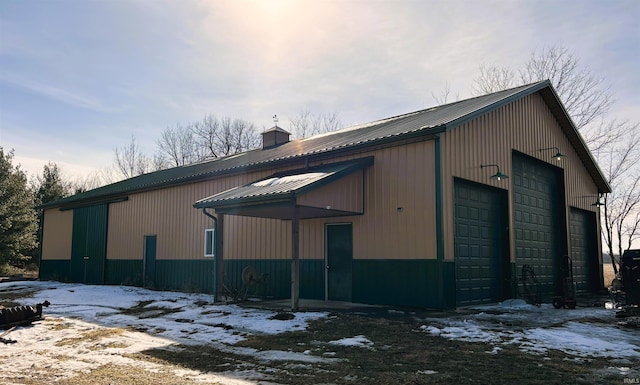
448,285
189,276
126,272
277,277
54,270
408,282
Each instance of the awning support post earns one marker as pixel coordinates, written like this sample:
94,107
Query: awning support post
218,274
295,263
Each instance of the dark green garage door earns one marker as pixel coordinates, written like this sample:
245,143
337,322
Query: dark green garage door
583,249
480,266
538,213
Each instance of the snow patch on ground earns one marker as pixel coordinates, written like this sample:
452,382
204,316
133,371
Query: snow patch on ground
129,320
582,332
357,341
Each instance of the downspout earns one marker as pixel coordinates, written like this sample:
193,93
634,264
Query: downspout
215,263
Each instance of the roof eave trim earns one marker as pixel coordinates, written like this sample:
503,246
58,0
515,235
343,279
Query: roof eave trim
71,206
603,186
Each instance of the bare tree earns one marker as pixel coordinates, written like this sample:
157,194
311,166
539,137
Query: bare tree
621,212
225,136
179,146
443,97
583,93
130,161
616,144
494,79
98,178
306,124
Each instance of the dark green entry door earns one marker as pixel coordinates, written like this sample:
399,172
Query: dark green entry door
149,261
339,239
480,261
538,207
583,249
89,244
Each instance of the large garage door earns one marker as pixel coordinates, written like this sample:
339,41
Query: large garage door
583,248
478,244
89,244
538,213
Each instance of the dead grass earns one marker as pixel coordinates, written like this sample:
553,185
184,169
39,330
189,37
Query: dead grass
608,274
401,354
91,336
10,295
127,375
143,310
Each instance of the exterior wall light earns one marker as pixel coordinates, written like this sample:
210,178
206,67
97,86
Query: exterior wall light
598,201
498,175
559,155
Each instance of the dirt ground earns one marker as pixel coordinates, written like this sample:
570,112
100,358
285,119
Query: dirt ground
399,352
402,355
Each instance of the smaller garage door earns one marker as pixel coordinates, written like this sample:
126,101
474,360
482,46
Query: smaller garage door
583,249
478,244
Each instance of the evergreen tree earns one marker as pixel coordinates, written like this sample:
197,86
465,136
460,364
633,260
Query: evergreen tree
18,225
50,186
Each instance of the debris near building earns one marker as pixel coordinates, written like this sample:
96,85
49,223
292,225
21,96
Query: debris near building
21,315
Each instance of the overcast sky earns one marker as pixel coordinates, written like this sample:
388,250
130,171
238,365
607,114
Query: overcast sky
78,78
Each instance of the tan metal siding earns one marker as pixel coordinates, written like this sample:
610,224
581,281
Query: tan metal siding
344,194
169,214
57,233
401,177
526,125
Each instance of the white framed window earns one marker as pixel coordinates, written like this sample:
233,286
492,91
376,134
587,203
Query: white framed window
210,243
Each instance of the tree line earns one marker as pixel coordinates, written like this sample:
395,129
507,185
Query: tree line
614,142
178,145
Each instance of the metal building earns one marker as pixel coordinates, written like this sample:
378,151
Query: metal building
436,208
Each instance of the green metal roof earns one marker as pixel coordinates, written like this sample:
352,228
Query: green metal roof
429,121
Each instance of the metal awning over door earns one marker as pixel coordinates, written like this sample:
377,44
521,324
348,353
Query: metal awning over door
276,196
293,195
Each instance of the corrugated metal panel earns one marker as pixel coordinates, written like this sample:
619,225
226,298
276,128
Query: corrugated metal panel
345,194
422,122
56,238
284,186
399,213
526,125
402,177
169,214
